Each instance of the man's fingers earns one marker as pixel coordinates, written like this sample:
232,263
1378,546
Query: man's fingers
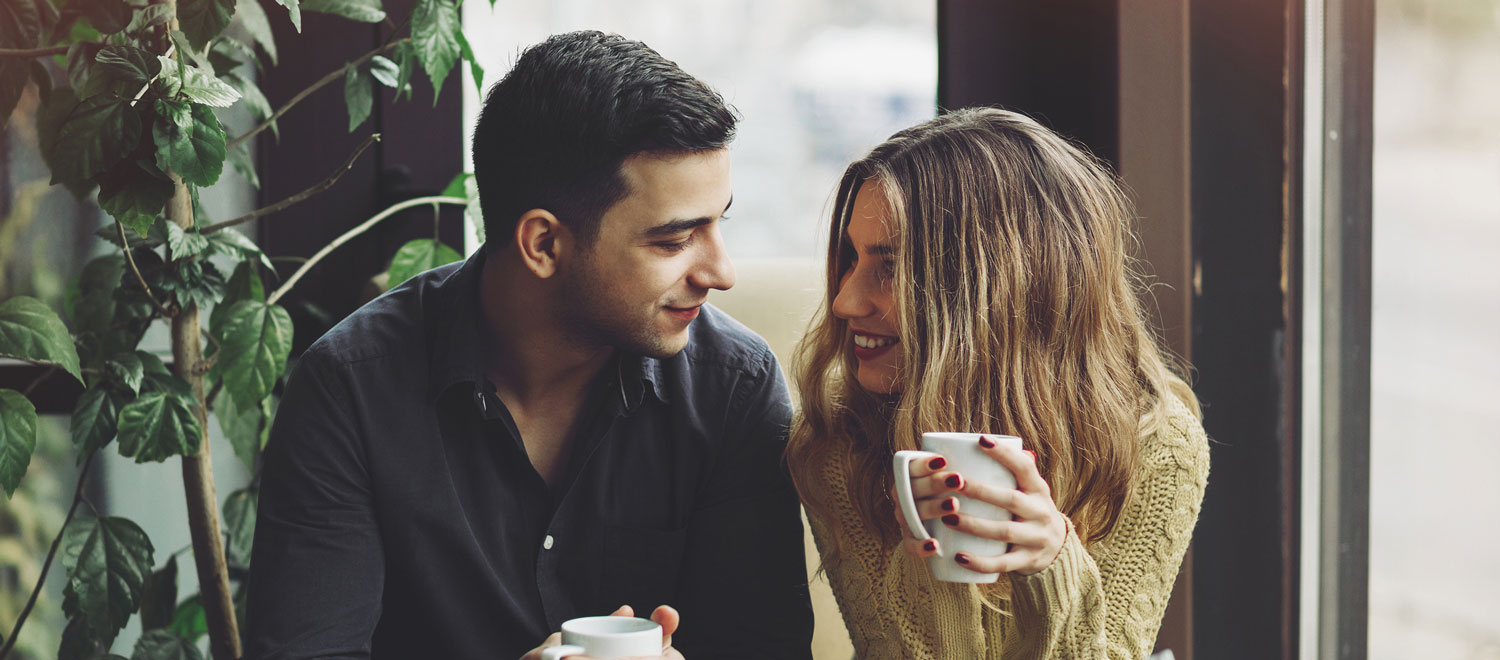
668,618
625,610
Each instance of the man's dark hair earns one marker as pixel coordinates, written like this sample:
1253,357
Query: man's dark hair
553,132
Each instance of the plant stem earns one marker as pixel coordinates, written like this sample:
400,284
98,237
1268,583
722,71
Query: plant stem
320,84
315,189
15,631
349,235
137,270
51,369
33,52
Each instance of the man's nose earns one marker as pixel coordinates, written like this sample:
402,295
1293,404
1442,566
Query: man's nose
716,271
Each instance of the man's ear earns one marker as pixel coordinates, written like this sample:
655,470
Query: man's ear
540,240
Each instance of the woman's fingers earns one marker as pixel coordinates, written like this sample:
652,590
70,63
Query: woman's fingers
1018,533
1027,507
937,507
1021,464
921,467
937,483
919,549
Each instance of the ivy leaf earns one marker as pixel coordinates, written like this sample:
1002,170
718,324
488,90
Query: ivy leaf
77,643
202,20
385,71
475,71
159,599
127,66
189,621
108,561
254,99
253,350
129,369
253,18
134,195
472,209
197,84
244,284
194,281
188,50
294,11
21,26
17,438
94,135
229,241
161,379
163,644
434,29
190,141
80,64
107,16
239,522
406,60
184,243
247,429
149,16
364,11
29,330
417,256
94,419
158,426
359,97
239,157
93,295
456,186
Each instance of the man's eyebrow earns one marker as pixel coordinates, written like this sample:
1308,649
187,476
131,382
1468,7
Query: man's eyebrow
678,226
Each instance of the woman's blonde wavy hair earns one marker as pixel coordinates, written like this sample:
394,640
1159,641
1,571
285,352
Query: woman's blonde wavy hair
1018,314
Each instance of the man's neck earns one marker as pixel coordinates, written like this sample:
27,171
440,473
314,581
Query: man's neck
533,361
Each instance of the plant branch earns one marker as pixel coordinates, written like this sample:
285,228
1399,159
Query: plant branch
325,184
51,553
51,369
137,270
320,84
33,52
349,235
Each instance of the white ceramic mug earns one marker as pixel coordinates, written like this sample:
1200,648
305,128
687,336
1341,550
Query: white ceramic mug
604,637
965,457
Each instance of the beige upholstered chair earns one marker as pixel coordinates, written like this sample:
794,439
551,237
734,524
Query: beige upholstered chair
776,298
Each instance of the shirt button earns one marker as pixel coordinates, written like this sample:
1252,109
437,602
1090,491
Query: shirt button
547,542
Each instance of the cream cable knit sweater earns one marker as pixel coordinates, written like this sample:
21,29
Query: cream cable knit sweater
1093,603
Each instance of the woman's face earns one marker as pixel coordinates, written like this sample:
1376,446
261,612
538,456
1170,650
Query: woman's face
865,298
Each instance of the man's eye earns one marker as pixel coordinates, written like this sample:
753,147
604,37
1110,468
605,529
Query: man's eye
676,246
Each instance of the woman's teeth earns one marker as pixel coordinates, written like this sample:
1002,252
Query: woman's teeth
871,342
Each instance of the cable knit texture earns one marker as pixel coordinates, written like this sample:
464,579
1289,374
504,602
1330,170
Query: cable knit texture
1093,603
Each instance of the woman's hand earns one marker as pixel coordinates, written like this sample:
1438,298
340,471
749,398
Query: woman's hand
664,616
1036,535
932,489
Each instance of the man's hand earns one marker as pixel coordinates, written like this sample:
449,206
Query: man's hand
664,616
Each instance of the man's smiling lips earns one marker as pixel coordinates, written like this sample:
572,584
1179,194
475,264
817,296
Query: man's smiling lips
685,313
870,346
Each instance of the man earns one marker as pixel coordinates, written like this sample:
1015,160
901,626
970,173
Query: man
557,427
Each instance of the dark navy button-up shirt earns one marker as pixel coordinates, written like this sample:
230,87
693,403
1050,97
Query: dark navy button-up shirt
400,516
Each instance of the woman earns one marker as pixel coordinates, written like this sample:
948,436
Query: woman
979,281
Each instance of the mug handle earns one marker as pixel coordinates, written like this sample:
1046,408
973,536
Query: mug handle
902,465
560,652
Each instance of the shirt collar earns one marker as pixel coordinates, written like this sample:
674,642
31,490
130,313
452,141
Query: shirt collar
457,350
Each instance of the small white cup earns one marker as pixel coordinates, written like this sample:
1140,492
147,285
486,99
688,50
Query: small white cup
965,457
604,637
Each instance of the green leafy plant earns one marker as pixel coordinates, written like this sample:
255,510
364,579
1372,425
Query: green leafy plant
129,92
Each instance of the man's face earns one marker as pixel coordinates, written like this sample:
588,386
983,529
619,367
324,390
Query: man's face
658,253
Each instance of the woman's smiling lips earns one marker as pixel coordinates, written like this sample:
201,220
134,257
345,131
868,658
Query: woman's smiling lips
869,347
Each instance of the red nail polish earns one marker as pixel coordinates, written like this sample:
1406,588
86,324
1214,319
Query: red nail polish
953,481
1030,453
929,546
937,463
961,558
948,504
950,520
986,442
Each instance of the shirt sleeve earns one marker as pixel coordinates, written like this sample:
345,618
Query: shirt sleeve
744,580
316,570
1107,601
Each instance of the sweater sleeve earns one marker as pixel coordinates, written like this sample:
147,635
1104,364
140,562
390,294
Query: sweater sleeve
1106,602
